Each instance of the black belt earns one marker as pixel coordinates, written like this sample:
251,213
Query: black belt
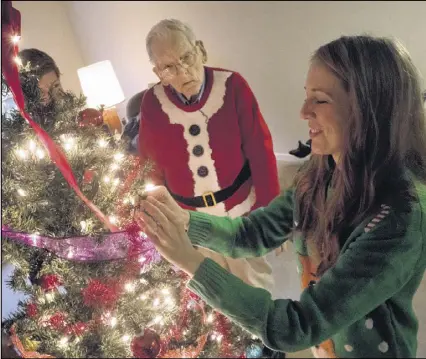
210,199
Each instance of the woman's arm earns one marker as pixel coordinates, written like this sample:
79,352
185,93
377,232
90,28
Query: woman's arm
375,266
253,235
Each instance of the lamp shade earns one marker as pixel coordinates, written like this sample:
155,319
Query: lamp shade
100,84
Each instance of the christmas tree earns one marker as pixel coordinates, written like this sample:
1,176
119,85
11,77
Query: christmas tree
90,292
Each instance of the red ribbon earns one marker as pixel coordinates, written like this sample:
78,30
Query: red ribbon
11,26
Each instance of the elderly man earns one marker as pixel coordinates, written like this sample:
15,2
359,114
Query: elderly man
203,130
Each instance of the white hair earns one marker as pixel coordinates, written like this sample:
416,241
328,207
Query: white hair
165,27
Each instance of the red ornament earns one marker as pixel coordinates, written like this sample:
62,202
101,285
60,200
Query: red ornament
100,295
77,329
50,282
57,321
147,345
90,117
31,310
88,176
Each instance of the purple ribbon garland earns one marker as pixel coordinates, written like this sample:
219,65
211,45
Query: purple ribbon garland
112,246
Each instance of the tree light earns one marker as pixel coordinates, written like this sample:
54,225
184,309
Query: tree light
18,61
50,297
130,287
112,219
21,153
114,166
83,225
125,338
113,322
40,153
118,156
63,342
210,318
102,143
21,192
16,38
107,179
31,145
156,302
149,187
70,253
158,319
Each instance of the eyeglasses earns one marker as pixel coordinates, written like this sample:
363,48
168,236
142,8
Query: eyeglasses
185,62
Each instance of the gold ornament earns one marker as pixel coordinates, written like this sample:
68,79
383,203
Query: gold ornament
30,345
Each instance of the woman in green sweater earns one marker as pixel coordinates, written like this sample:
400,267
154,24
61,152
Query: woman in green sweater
356,214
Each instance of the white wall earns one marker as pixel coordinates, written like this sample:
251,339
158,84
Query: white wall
268,42
45,26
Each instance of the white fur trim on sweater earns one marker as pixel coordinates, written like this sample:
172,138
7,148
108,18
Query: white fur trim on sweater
177,116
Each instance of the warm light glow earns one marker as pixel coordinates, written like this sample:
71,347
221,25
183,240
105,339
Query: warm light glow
107,179
165,291
149,187
40,153
64,341
125,338
158,319
141,260
83,225
16,38
70,253
118,156
114,166
130,287
50,297
116,181
21,192
31,145
210,318
143,281
21,153
112,219
156,302
113,322
18,61
102,143
143,297
100,85
219,338
34,237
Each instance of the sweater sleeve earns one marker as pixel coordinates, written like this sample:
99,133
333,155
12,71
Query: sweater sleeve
375,266
147,142
256,143
253,235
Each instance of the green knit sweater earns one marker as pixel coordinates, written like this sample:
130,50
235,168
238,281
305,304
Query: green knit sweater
361,307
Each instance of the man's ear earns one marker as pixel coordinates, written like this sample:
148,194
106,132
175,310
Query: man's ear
200,45
162,80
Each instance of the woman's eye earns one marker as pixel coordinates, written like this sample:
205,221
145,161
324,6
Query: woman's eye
320,102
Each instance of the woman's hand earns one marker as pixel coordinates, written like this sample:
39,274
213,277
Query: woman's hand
165,226
162,195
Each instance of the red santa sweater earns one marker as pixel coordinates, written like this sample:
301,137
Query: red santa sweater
202,147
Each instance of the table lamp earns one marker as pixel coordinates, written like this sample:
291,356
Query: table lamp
102,89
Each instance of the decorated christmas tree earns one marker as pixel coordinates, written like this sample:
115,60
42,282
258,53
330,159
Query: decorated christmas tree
95,286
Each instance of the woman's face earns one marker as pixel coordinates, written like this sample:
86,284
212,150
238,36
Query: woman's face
326,108
49,84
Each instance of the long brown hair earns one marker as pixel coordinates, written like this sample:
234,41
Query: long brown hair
383,138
